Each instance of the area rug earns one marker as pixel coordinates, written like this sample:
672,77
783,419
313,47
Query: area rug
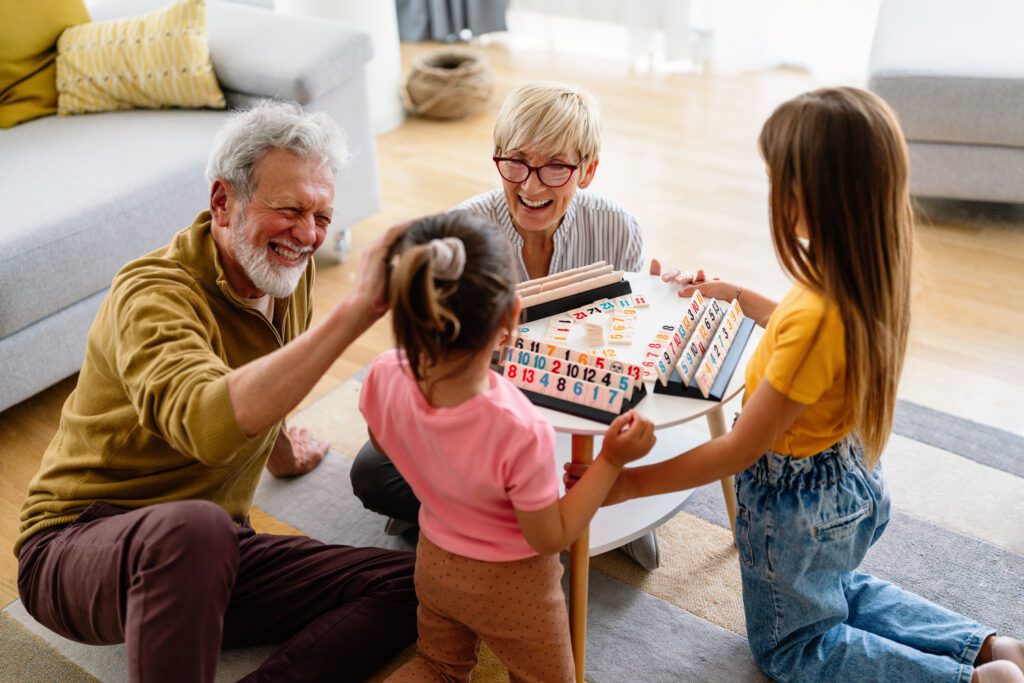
956,537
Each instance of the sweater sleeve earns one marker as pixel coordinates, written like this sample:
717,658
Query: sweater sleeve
165,356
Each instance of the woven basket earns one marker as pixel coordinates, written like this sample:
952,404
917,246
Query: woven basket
448,84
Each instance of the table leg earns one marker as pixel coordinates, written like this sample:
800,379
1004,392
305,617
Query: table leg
579,568
716,423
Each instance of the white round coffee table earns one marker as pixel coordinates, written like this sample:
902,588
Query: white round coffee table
577,438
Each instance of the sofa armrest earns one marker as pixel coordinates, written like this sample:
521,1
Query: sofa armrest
261,53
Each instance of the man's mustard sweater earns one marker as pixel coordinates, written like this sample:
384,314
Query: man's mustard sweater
150,420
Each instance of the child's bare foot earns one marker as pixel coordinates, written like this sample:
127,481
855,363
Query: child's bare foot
1000,671
1008,649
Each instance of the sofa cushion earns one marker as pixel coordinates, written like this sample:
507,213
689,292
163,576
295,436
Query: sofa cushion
69,186
28,48
159,59
953,72
306,59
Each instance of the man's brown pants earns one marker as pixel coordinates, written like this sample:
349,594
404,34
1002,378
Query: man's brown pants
178,581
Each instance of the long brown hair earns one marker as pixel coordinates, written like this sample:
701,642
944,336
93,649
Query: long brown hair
438,319
839,155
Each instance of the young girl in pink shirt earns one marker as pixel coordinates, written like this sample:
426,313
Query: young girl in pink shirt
480,458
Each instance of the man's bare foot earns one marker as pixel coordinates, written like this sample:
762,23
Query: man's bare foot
295,453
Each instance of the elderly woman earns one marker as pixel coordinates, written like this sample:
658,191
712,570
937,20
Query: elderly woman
547,141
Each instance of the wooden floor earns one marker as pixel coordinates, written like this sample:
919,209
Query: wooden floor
679,151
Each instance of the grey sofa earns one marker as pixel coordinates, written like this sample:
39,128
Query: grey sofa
954,74
80,196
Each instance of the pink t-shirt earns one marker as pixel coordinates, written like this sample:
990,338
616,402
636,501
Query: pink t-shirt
471,466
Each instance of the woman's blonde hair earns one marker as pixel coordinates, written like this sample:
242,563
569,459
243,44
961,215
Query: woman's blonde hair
441,318
551,118
839,155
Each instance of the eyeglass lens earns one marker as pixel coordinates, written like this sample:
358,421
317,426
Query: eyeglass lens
517,172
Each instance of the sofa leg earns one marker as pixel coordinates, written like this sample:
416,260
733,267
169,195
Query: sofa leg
337,245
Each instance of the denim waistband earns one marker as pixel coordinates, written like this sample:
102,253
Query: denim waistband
820,469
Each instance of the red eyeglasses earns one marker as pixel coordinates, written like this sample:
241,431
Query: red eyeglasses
517,171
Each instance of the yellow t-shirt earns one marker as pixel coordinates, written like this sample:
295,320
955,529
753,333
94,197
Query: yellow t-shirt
803,356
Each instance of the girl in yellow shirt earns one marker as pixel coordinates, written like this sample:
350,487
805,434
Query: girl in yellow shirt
818,408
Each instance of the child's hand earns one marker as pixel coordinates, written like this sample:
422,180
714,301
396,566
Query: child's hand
619,492
716,289
573,472
629,437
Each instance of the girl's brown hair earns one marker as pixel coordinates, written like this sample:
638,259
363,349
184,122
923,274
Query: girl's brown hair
438,319
839,155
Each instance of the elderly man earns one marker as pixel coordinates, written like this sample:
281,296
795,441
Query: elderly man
136,526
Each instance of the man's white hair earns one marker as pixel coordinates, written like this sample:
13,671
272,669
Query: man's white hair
249,134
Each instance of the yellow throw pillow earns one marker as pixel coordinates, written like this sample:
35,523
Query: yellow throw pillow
159,59
28,47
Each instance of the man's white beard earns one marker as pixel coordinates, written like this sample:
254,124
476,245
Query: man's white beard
277,281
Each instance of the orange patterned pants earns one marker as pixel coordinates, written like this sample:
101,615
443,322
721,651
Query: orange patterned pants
517,608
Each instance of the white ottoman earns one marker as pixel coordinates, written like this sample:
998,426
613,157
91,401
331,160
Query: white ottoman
954,73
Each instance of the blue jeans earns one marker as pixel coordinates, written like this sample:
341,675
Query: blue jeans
802,528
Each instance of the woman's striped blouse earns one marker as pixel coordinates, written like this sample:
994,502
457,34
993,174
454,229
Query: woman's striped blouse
595,228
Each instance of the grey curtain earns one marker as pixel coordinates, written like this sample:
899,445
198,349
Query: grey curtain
443,20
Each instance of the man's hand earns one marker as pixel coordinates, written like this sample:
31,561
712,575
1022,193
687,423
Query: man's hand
371,290
296,452
264,391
